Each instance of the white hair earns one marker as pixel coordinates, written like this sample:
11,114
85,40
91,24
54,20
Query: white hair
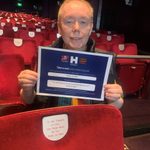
74,1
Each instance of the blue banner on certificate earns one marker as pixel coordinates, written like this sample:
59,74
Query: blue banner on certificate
71,73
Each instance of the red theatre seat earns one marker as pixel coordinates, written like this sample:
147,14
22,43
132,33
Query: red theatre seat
47,43
130,72
131,77
109,40
10,67
101,46
89,127
125,49
6,32
146,88
26,48
32,35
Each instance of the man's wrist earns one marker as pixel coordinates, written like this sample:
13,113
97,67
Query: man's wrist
27,95
117,103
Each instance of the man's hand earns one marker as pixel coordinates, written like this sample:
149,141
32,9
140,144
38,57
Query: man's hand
114,94
27,80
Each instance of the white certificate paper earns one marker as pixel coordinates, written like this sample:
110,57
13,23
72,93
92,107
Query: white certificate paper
71,73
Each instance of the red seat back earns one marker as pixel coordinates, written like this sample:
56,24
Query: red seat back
125,49
26,48
131,76
31,35
10,67
89,127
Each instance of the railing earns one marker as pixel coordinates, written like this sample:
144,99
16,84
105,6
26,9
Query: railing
133,56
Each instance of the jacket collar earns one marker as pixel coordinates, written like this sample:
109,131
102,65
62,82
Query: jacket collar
90,45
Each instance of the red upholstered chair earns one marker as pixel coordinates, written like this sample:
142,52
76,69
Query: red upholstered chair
146,88
47,43
26,48
6,32
95,36
102,46
131,77
10,67
109,40
89,127
31,35
125,49
130,72
42,30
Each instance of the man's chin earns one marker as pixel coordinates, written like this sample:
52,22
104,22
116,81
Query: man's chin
76,47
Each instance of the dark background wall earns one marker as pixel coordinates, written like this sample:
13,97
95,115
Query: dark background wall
133,21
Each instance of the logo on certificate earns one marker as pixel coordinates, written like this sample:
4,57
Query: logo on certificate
73,60
64,58
82,60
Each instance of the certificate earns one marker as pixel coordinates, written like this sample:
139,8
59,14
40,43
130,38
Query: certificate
72,73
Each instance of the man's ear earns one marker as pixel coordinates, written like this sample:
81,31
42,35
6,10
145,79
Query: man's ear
91,30
90,33
58,27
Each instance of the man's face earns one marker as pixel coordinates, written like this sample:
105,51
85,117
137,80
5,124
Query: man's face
75,25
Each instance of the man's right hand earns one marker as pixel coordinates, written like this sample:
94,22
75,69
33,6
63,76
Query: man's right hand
27,80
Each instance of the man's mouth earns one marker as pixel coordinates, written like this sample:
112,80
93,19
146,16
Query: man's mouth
76,38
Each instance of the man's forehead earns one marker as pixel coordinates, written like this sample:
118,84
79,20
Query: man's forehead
70,8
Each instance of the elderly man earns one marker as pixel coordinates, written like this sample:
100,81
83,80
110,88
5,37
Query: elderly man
75,23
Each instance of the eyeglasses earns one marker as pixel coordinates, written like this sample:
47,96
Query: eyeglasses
83,22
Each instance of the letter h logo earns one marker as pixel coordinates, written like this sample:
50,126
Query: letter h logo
73,60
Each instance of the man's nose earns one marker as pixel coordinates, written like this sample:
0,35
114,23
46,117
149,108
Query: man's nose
76,25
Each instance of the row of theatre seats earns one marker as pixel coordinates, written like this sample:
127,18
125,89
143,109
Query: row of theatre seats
64,127
126,68
132,72
20,36
25,26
